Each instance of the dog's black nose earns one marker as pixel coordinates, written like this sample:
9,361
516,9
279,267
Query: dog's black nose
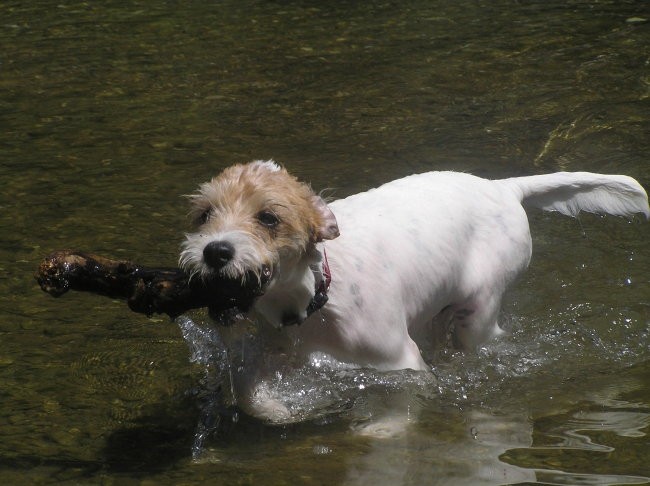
217,254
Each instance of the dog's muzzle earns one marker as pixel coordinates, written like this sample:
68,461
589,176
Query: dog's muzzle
238,292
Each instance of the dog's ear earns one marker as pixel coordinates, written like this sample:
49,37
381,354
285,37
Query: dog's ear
329,228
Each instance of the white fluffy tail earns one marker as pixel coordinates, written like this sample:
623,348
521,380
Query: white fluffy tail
572,192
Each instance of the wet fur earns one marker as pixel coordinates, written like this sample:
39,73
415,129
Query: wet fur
417,259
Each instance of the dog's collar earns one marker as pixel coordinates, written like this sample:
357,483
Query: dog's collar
323,277
323,281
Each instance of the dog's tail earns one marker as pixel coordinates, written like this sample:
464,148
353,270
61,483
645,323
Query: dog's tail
572,192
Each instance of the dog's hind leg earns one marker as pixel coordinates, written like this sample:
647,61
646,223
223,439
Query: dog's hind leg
411,358
475,320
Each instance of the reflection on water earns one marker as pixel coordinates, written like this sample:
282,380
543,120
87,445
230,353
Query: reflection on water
581,431
111,111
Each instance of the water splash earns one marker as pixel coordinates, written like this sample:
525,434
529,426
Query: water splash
320,389
552,349
208,350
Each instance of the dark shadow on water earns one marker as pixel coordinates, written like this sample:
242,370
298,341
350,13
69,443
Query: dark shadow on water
147,448
154,442
169,432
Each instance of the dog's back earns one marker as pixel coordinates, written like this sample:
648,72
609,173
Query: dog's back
445,244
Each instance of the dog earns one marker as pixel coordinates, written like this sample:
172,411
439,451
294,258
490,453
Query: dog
372,278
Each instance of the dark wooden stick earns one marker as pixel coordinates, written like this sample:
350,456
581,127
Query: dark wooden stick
147,290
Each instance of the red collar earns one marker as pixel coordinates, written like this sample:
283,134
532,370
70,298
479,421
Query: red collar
322,287
327,274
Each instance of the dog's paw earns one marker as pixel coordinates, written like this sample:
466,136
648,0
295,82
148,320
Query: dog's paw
387,427
265,407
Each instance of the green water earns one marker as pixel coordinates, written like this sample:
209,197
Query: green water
111,111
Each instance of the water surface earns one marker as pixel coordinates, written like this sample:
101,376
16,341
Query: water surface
111,111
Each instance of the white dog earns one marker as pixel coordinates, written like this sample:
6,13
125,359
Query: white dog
421,257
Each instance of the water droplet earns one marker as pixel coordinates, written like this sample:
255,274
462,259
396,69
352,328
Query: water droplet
321,449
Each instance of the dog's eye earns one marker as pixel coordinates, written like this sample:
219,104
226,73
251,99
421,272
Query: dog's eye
268,218
204,216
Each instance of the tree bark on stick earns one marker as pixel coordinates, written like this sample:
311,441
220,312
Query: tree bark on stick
147,290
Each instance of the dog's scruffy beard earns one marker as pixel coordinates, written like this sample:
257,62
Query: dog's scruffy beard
231,290
231,297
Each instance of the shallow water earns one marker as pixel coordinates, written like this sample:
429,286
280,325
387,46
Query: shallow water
110,112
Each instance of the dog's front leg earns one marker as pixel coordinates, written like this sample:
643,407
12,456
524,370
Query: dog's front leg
254,394
258,365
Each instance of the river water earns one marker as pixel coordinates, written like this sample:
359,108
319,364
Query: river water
111,111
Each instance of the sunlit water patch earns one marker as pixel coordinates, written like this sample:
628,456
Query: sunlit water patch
569,441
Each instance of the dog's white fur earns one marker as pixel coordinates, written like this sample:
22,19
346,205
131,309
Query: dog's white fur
423,256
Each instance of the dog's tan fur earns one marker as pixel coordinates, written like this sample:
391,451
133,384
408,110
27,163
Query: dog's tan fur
234,201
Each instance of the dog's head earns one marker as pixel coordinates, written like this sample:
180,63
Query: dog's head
252,223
